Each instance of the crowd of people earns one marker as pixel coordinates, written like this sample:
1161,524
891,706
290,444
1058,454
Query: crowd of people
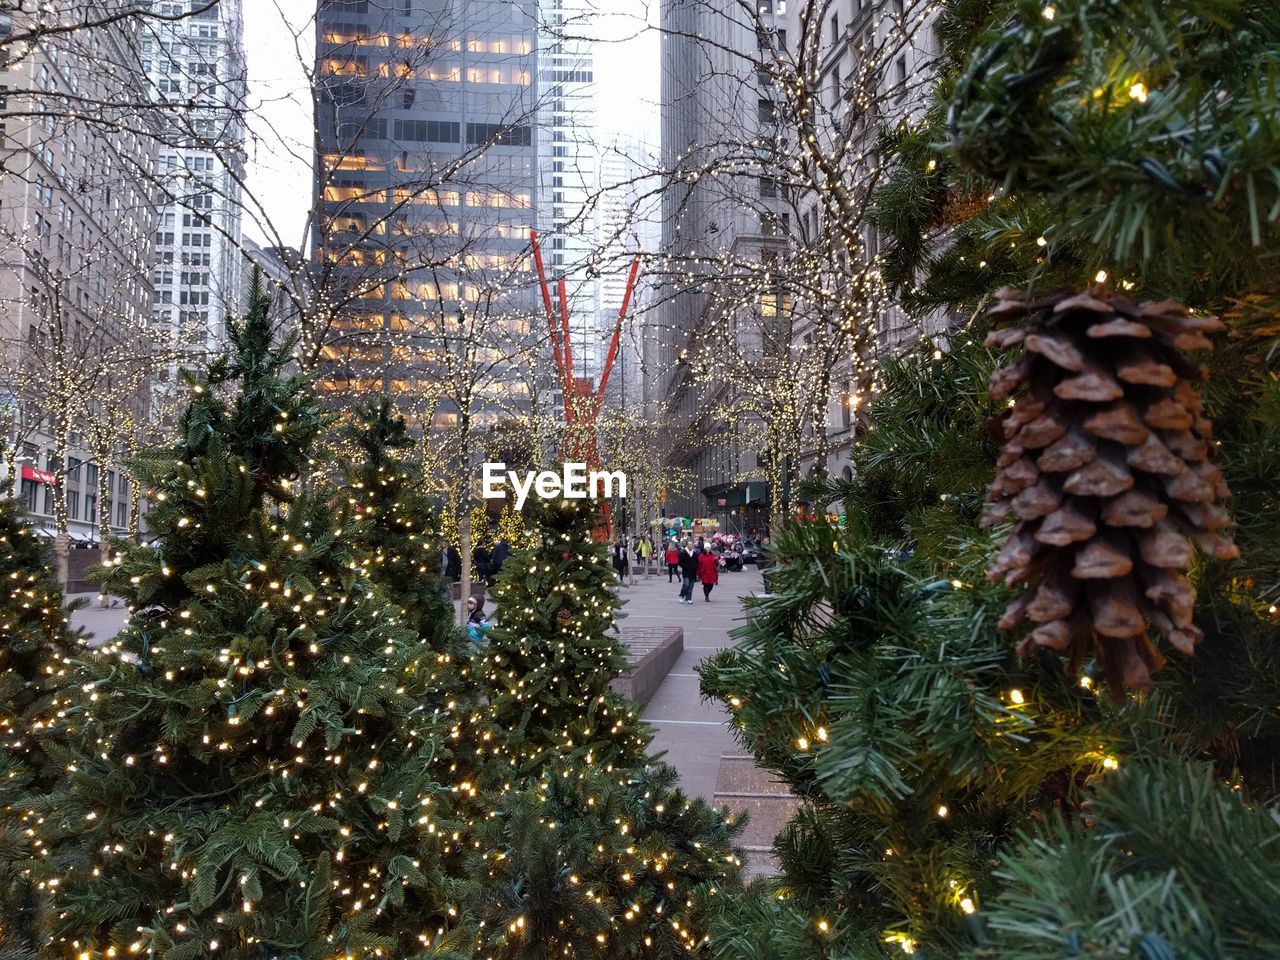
690,562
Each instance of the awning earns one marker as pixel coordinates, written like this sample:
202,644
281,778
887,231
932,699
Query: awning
37,476
732,496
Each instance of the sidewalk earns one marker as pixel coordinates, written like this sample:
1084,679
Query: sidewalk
102,623
695,733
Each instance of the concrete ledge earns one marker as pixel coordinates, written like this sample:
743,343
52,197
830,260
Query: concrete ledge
478,589
652,652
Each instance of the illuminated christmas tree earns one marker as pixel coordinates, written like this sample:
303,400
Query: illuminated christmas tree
550,660
607,864
37,640
255,766
966,792
593,850
396,528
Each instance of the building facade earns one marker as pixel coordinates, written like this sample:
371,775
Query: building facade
195,66
426,188
712,102
284,276
77,228
568,168
874,68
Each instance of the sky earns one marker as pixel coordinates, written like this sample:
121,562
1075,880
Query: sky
280,47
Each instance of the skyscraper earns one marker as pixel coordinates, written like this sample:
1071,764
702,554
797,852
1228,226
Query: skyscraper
568,170
713,105
195,66
425,192
76,233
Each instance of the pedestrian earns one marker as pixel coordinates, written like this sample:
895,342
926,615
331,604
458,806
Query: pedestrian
500,553
452,564
620,558
708,573
688,572
483,561
477,624
673,560
642,551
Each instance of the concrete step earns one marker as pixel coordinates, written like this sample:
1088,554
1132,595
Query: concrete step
768,803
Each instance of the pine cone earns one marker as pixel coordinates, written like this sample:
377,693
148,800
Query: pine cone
1106,469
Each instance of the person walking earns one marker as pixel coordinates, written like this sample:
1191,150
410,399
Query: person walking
500,553
688,573
708,573
643,549
620,559
452,564
673,560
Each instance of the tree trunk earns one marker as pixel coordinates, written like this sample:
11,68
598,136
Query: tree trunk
104,524
135,511
62,555
464,549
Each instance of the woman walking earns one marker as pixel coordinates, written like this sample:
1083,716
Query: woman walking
620,558
688,572
673,560
708,573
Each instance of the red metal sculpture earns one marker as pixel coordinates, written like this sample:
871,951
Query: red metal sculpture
582,402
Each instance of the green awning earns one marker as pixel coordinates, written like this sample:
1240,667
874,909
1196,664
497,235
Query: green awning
737,495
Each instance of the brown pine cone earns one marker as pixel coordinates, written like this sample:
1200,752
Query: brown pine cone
1106,470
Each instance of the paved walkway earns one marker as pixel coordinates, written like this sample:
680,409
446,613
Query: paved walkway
692,731
103,623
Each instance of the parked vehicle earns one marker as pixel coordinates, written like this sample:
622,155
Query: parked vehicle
750,551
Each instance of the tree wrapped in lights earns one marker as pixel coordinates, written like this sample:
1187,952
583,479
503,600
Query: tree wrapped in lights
550,660
959,801
1084,829
917,743
253,765
395,523
37,641
601,863
594,850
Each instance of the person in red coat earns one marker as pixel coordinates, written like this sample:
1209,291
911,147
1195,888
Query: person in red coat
708,572
673,560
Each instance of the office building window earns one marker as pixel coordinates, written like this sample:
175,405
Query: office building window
27,495
426,131
499,134
73,505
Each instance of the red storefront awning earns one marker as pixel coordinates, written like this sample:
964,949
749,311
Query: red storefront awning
39,476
